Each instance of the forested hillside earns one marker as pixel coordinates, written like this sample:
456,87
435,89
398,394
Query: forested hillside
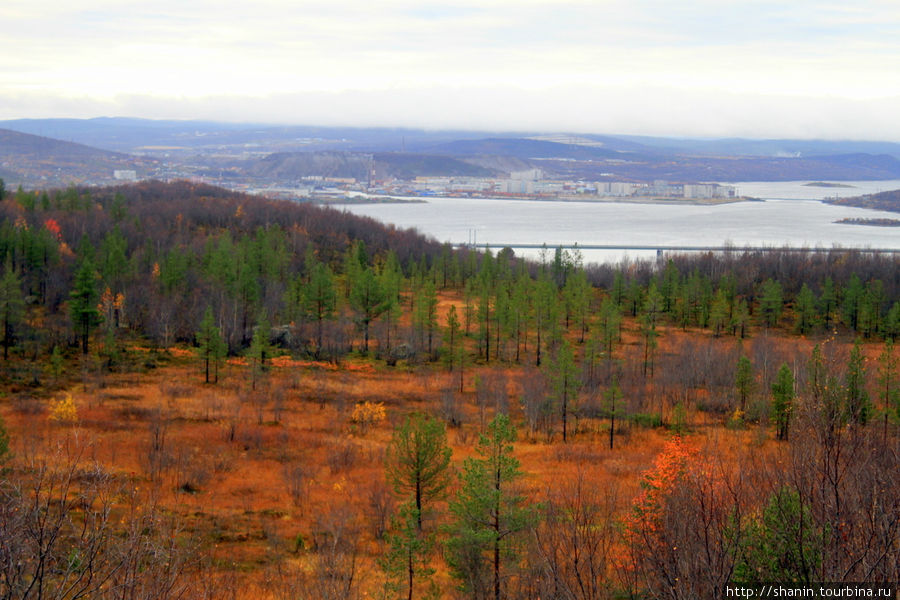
215,395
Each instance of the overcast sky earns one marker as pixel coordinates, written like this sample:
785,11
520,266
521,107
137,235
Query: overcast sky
786,68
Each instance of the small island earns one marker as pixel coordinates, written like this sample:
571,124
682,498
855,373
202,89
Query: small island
870,222
827,184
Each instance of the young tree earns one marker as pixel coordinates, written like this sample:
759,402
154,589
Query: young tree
718,312
407,558
418,462
827,302
563,376
740,318
782,400
648,320
368,300
888,391
319,298
804,311
454,347
260,350
771,302
613,396
211,346
4,443
785,544
83,302
546,311
743,381
856,402
576,295
12,305
425,316
853,295
488,514
610,329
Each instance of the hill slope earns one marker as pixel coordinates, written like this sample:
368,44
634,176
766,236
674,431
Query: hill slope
30,157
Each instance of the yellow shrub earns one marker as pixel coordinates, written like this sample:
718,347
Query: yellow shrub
368,413
63,410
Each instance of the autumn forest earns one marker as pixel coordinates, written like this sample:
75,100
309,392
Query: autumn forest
205,394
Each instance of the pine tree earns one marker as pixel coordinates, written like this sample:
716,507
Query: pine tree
211,345
260,351
369,300
407,559
610,329
718,312
83,302
856,399
740,318
546,307
562,373
853,293
418,462
454,347
827,302
577,300
488,514
12,305
743,381
782,400
804,311
771,302
613,395
319,299
425,316
888,391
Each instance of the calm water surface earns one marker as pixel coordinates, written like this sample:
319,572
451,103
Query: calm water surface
792,214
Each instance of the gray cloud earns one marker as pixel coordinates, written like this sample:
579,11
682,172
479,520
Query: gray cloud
702,67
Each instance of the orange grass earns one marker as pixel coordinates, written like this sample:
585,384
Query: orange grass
227,450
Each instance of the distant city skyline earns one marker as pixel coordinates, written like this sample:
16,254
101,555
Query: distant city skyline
705,68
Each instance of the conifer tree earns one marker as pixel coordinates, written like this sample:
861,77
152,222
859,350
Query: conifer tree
827,302
718,312
488,514
406,562
319,299
368,300
426,315
856,401
12,305
804,311
888,391
562,373
211,345
418,462
83,302
853,293
454,349
740,318
782,400
260,351
613,395
771,302
743,381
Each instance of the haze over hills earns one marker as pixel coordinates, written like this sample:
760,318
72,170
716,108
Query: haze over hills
34,160
89,151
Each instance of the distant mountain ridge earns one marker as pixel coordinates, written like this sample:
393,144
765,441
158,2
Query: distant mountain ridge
247,153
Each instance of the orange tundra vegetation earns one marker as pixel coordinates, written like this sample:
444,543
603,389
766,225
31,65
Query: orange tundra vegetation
687,461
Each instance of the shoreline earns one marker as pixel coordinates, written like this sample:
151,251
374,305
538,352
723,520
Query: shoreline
673,200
